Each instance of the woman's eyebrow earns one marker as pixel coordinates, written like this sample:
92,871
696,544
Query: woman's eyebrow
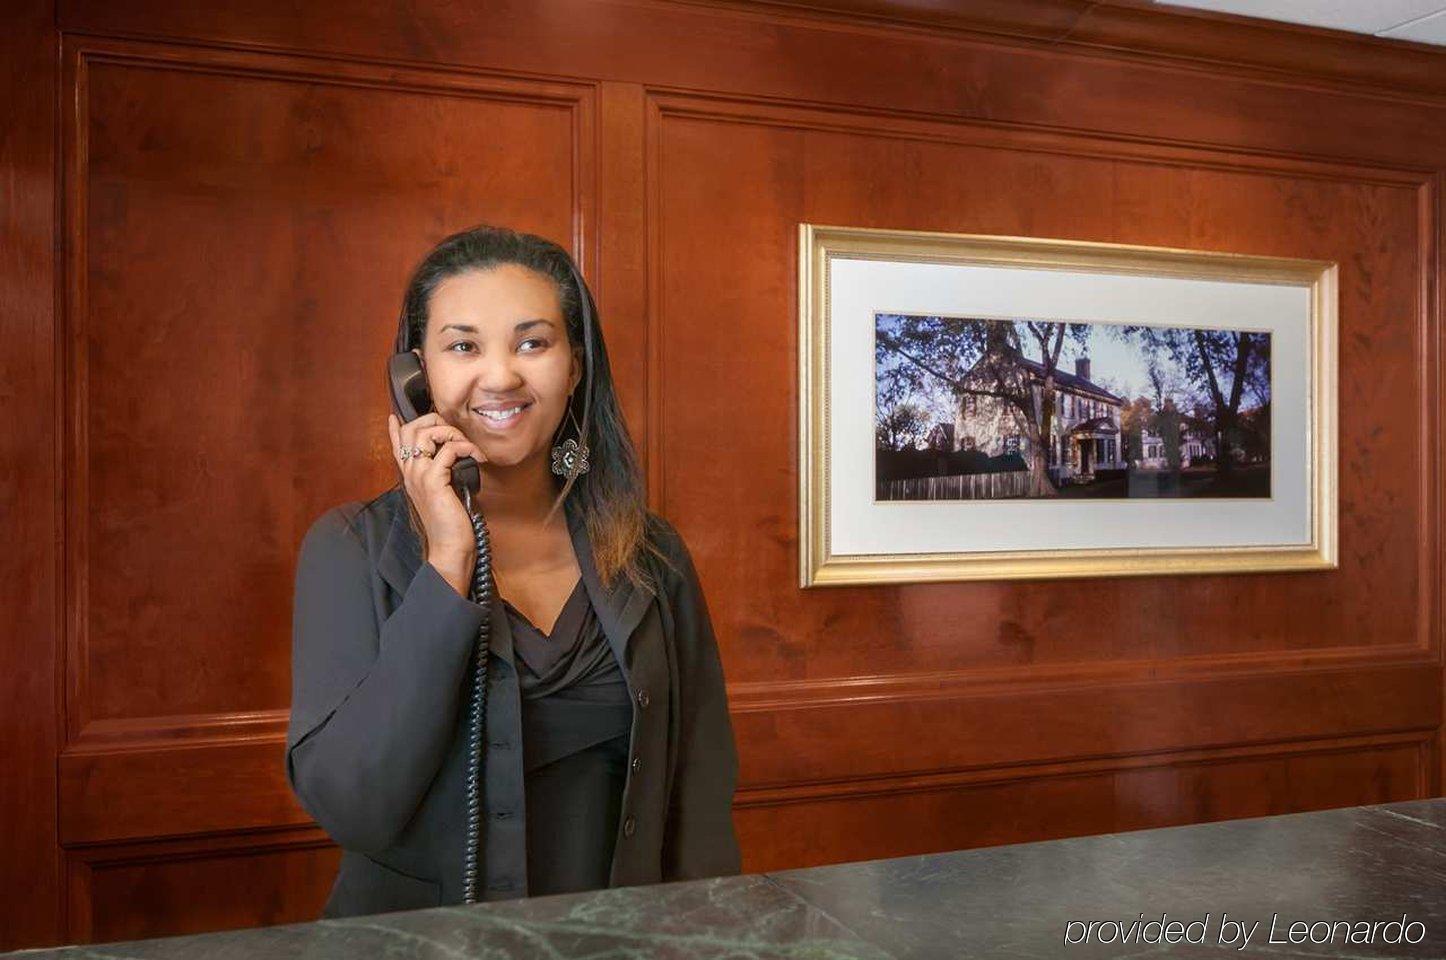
468,328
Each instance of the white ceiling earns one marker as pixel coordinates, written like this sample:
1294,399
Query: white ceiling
1423,21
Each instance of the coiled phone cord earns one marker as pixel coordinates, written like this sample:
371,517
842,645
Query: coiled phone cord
477,705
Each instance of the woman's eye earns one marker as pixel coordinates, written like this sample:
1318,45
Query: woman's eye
540,343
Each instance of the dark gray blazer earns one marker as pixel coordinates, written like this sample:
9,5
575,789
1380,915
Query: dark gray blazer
376,748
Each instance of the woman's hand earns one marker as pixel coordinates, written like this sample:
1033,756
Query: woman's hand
451,545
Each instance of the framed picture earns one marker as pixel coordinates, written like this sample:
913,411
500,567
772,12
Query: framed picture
988,407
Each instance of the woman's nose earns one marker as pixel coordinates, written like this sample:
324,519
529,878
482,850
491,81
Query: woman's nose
496,374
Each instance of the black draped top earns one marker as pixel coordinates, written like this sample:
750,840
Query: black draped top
576,724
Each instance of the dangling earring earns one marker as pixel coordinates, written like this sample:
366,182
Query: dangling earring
569,458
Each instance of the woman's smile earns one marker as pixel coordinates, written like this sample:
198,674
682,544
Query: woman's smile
503,419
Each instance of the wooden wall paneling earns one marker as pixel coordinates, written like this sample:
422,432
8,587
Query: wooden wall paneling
620,283
758,176
223,171
145,789
1433,295
30,866
866,820
1157,76
890,728
246,141
804,735
225,300
134,891
1288,653
1119,29
236,167
1272,49
817,733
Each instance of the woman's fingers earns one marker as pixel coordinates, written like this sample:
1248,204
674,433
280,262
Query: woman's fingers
447,443
436,436
453,450
394,430
427,480
415,433
406,432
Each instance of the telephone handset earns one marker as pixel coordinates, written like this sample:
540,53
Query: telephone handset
410,399
407,382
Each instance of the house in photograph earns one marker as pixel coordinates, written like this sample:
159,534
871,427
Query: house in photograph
1249,443
1192,448
1084,432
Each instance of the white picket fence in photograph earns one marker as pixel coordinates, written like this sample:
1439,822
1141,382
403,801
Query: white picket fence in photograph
966,486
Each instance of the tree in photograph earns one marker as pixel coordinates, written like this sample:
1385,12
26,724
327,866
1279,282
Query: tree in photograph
1167,425
899,423
1221,364
1253,422
1137,417
1109,385
981,358
1164,421
1165,380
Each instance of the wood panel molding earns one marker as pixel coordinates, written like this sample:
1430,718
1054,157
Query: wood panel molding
150,733
178,791
1421,742
30,695
1013,61
934,815
130,891
1117,28
764,696
1012,134
80,56
147,888
1113,29
121,793
784,745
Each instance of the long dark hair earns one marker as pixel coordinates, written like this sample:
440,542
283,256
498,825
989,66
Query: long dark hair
610,494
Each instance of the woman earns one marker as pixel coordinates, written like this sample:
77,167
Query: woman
608,757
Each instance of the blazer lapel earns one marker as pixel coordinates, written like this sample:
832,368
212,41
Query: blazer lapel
401,554
619,609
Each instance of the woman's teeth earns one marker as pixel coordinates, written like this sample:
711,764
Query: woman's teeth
503,416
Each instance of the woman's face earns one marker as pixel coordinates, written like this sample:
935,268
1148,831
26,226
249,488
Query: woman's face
496,341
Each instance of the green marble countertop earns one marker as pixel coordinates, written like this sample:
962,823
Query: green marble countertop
1344,871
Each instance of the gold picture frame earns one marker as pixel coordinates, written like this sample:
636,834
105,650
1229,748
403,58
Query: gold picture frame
822,248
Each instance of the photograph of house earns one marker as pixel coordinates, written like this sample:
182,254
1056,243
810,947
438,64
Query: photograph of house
986,409
1084,431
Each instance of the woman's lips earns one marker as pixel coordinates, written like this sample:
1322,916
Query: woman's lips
503,425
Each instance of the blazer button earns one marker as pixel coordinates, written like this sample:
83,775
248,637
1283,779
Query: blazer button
642,698
630,826
637,764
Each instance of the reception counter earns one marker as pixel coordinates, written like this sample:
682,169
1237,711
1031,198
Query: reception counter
1355,882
